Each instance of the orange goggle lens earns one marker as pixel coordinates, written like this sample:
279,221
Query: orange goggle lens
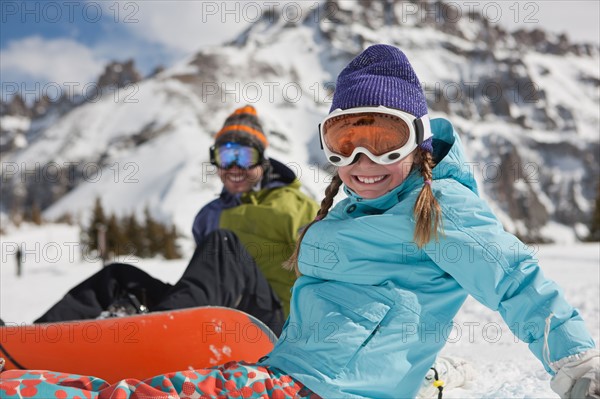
377,133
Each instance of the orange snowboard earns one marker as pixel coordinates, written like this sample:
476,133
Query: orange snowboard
139,346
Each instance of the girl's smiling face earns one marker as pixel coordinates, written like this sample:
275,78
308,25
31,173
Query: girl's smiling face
371,180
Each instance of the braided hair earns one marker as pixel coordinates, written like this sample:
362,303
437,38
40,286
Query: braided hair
330,193
427,211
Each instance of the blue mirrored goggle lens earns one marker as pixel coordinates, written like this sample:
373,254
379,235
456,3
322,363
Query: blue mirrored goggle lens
230,154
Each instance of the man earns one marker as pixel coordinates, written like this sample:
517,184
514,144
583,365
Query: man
261,201
242,239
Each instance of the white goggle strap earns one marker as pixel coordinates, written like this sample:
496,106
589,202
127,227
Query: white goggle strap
423,129
321,136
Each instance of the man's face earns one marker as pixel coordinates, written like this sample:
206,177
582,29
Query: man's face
238,165
237,180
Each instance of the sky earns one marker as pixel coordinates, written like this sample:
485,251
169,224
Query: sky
66,44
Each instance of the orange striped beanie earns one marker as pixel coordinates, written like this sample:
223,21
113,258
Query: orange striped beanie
243,126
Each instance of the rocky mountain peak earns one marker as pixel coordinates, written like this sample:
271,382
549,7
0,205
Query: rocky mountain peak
15,107
119,74
524,103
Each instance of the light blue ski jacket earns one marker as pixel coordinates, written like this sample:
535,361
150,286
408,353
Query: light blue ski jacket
372,310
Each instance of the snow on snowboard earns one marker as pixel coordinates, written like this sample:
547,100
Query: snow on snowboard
138,346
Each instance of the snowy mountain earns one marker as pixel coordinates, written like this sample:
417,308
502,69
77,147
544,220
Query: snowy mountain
526,105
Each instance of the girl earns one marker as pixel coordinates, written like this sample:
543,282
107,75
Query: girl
373,287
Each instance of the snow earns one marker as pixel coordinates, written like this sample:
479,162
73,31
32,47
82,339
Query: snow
11,122
505,368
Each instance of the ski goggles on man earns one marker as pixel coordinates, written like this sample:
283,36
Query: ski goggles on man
383,134
228,155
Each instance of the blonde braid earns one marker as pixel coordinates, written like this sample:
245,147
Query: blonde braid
427,211
330,193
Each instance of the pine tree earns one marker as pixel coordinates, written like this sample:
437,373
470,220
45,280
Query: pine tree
170,249
134,237
36,214
98,220
115,239
155,234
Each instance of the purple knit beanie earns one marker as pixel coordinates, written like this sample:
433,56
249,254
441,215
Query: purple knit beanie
381,75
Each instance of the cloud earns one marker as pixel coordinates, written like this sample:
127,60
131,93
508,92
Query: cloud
577,18
186,26
182,26
34,60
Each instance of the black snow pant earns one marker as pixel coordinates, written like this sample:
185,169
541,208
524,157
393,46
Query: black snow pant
220,273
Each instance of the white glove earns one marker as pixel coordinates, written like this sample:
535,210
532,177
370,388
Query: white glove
578,376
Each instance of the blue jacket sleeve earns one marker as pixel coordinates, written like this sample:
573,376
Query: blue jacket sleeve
208,218
202,225
499,271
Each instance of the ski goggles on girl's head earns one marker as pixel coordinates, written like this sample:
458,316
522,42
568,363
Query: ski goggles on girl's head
228,155
383,134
